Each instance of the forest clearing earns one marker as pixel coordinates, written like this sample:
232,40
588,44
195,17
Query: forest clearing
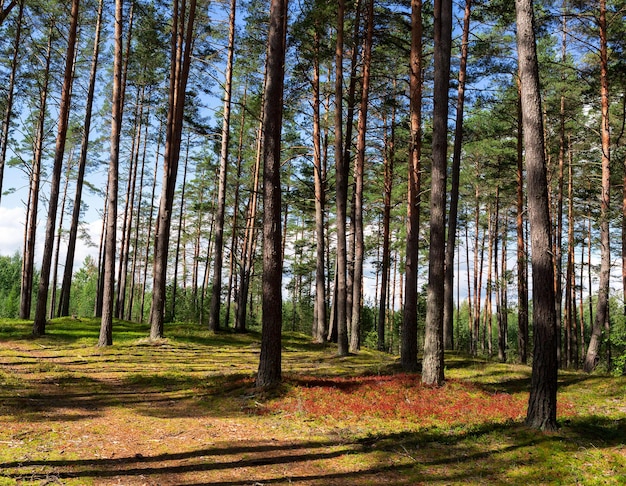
184,410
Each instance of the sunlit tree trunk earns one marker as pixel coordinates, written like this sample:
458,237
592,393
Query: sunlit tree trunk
39,324
432,364
108,288
542,402
320,326
408,350
602,307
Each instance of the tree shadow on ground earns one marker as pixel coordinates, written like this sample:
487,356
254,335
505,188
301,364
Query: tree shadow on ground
423,459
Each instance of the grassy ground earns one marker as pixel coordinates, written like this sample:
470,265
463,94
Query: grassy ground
184,411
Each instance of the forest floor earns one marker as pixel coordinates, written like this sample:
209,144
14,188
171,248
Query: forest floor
185,411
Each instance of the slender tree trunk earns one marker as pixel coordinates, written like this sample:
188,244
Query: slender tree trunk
57,246
181,46
216,292
448,328
359,253
10,91
320,327
64,300
522,260
341,176
39,324
432,366
179,233
542,402
232,282
602,307
247,257
408,350
269,373
30,232
389,144
108,289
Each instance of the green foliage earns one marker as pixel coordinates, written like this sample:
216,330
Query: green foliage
10,272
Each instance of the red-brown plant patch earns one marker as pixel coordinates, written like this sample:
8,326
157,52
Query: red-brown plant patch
400,397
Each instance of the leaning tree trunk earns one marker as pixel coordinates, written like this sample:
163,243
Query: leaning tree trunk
602,307
542,402
39,324
432,366
408,349
10,91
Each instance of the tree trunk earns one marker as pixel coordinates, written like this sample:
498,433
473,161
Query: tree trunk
522,260
269,373
30,232
341,176
602,307
408,350
389,143
216,292
10,91
108,288
432,366
448,327
320,327
542,402
181,45
359,248
39,324
64,300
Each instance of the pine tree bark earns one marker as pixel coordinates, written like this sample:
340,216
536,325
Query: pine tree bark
602,306
39,324
408,348
522,259
359,247
108,281
432,365
389,143
341,177
269,373
542,402
30,232
181,45
214,313
448,309
320,327
64,299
